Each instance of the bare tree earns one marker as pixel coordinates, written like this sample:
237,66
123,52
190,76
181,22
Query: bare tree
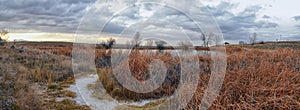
207,38
241,42
108,43
136,41
253,38
4,34
203,38
227,43
160,45
111,41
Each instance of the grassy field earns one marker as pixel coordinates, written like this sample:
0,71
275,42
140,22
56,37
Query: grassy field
259,76
272,45
32,79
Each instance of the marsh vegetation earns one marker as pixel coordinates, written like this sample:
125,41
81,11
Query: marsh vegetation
257,77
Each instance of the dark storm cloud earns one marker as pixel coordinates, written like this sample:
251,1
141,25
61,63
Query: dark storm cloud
65,15
238,26
234,26
43,15
297,18
163,18
182,19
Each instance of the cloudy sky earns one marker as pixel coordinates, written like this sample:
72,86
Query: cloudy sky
235,20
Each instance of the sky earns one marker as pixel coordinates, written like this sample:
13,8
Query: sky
169,20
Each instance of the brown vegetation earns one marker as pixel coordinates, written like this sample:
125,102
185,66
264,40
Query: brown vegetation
256,77
33,79
139,63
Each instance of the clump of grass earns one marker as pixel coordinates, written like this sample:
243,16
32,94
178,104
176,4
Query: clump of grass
116,92
67,104
67,82
63,93
54,86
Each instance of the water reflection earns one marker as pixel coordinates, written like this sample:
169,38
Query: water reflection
172,52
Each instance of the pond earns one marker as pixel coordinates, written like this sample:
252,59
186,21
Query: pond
85,95
172,52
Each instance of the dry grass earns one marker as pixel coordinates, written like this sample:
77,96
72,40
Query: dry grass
255,79
63,50
63,93
24,70
139,63
18,93
272,45
67,104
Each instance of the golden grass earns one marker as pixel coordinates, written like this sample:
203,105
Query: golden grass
255,79
63,93
22,72
139,63
17,93
67,104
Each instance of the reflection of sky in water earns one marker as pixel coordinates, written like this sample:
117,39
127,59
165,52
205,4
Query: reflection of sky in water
172,52
85,94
